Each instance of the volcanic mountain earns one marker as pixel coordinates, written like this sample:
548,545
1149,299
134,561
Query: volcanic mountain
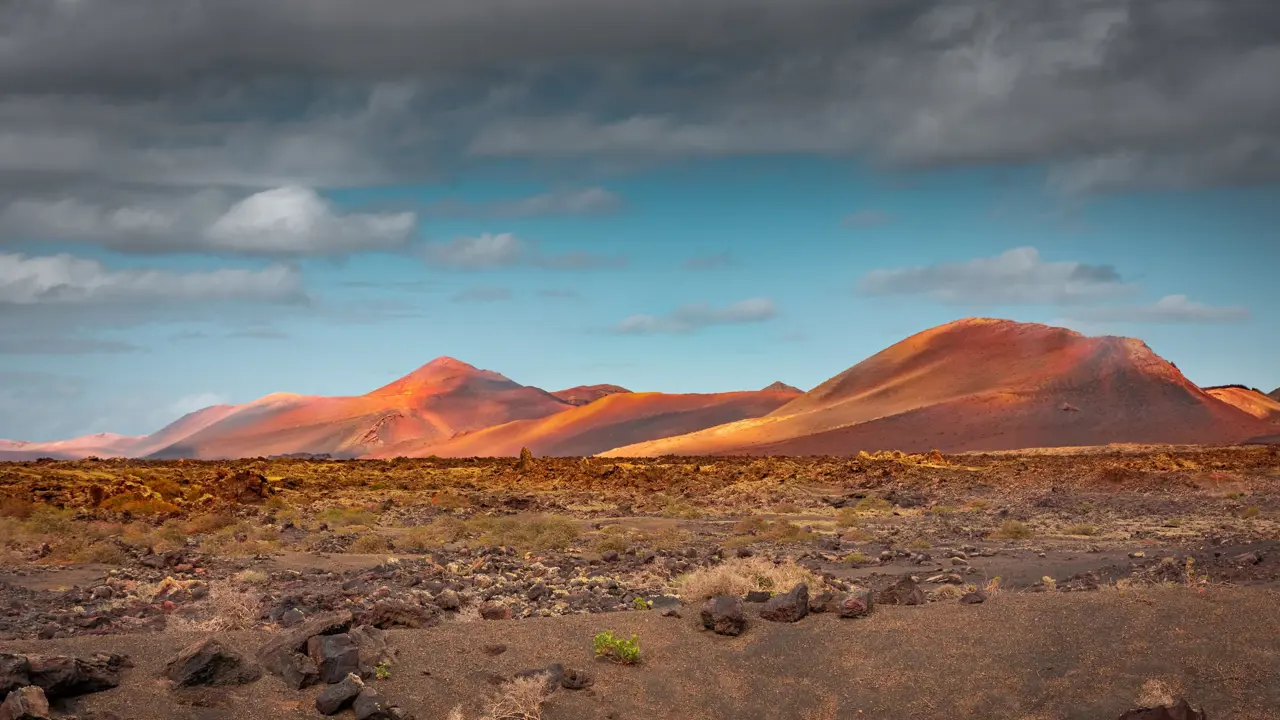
434,402
983,384
782,387
1250,400
614,420
97,445
1274,394
586,394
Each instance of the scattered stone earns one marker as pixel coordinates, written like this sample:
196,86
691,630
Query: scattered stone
537,592
210,662
790,606
1137,554
448,600
1249,558
277,654
335,655
495,611
61,676
369,705
299,671
25,703
611,556
757,596
395,613
577,679
976,597
494,649
903,592
554,674
374,649
671,612
859,602
1180,710
339,695
723,615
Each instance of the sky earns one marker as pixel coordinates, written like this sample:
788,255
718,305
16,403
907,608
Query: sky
209,202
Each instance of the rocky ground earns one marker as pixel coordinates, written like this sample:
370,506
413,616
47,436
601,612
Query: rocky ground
148,554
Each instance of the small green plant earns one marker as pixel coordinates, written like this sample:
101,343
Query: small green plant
641,604
382,670
857,558
616,649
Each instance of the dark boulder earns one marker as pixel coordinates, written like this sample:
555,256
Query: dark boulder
857,603
277,654
577,679
61,676
973,598
553,674
757,596
495,611
298,671
339,695
210,662
791,606
903,592
370,705
25,703
336,656
395,613
723,615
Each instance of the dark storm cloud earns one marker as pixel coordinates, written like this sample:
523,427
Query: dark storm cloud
99,95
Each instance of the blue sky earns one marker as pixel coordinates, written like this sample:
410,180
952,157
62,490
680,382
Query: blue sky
653,210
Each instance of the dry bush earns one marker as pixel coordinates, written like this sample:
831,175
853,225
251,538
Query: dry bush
347,517
1012,530
739,576
948,592
1155,693
520,699
229,609
211,523
526,532
368,544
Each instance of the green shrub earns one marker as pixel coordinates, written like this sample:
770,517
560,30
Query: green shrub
616,649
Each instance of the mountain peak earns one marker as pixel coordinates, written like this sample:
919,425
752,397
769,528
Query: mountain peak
438,375
780,386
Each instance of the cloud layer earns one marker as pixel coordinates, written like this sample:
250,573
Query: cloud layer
1015,277
1110,93
693,317
1020,277
284,221
502,250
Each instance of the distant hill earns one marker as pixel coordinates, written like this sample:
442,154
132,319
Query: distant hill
782,387
585,394
436,401
618,419
983,384
1250,400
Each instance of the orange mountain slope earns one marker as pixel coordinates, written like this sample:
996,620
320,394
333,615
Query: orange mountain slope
436,401
614,420
96,445
983,384
585,394
1249,400
1274,394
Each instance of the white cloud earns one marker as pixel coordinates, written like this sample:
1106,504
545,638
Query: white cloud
297,221
1168,309
1015,277
506,250
66,280
697,316
284,221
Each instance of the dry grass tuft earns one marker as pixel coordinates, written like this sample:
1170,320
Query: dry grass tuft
229,609
520,699
1155,693
741,575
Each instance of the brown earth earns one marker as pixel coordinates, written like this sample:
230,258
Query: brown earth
1022,657
1249,400
982,384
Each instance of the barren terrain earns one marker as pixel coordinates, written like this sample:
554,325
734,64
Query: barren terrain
1129,563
